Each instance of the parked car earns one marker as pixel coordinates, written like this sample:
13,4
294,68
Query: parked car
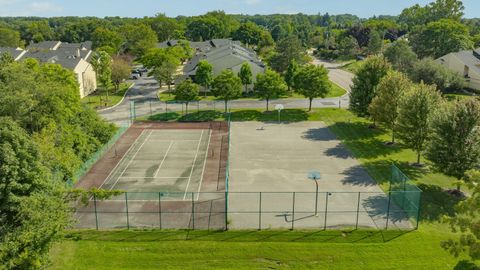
135,76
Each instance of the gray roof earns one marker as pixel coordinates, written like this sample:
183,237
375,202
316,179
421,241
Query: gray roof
470,58
64,58
14,52
46,45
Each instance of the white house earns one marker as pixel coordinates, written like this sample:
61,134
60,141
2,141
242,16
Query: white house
466,63
73,56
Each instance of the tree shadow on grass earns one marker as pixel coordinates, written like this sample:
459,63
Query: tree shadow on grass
288,115
466,265
170,116
201,116
355,130
436,203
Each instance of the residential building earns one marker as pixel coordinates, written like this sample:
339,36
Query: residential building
466,63
73,56
222,54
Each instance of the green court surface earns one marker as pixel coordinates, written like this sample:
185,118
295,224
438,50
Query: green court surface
170,161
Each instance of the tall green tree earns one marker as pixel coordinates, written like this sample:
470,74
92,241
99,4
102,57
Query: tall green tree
187,91
139,38
9,38
312,82
415,113
269,85
439,38
107,40
102,64
205,28
249,33
166,28
287,50
348,46
120,71
385,105
227,86
163,63
465,223
32,210
375,43
290,74
455,145
204,75
365,83
401,56
245,74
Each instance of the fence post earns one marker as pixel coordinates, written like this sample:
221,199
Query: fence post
358,211
160,210
126,205
95,208
388,208
326,211
419,209
260,212
193,213
226,211
293,211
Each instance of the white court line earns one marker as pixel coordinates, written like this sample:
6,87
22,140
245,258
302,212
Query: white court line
155,140
134,155
193,165
163,160
124,155
204,163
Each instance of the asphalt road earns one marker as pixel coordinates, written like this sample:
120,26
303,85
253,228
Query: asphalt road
144,93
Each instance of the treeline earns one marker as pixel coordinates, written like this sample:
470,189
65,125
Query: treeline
334,35
45,136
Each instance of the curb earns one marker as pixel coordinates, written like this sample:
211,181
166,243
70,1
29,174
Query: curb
120,102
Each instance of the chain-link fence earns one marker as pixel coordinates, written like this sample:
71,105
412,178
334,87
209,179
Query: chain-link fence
251,210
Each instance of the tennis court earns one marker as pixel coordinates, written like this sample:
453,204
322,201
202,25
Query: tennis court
162,160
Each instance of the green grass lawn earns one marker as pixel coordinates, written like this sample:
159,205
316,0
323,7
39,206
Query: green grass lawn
284,249
98,100
253,250
352,66
336,91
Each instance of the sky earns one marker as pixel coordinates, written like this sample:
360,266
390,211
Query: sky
141,8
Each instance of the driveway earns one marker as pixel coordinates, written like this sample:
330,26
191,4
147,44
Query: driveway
144,93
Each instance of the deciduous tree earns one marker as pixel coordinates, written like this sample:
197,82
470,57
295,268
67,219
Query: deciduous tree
401,56
312,82
365,83
269,85
415,114
227,86
102,64
245,75
455,145
120,71
385,105
187,91
204,75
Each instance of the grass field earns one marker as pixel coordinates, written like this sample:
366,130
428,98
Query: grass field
253,250
97,99
353,66
281,249
336,91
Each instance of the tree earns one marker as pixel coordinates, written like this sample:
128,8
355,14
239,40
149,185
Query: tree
348,46
204,28
164,64
269,85
365,83
431,72
287,49
37,31
375,43
290,74
204,75
440,38
435,11
139,38
102,64
465,222
165,27
120,71
249,33
227,86
186,92
245,74
385,105
312,82
455,145
9,38
401,56
32,211
415,114
107,40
